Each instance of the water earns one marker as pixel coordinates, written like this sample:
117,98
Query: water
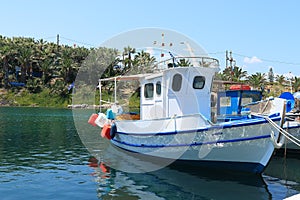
42,157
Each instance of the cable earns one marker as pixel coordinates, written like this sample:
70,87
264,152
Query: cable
268,60
77,41
51,37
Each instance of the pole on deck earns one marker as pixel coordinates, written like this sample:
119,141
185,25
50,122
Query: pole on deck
115,90
100,94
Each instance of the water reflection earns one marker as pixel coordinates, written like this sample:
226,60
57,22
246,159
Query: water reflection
41,155
179,182
284,172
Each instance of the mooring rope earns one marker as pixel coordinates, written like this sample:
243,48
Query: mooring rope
286,134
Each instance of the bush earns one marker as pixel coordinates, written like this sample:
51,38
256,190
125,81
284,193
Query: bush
41,99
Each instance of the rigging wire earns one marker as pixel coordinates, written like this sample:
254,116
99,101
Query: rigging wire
262,59
269,60
76,41
50,37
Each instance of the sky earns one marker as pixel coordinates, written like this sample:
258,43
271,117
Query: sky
260,33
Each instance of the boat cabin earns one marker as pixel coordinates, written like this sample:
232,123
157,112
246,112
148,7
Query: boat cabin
177,91
174,91
230,103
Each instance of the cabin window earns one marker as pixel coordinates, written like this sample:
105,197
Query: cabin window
199,82
176,83
225,101
148,90
158,88
248,97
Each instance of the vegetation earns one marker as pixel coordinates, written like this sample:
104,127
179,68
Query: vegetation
40,73
268,83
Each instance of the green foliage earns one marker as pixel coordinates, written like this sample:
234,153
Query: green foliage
257,80
42,99
134,101
296,84
280,79
58,66
183,63
142,63
233,74
271,75
34,85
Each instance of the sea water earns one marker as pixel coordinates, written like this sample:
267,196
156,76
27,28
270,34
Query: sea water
42,157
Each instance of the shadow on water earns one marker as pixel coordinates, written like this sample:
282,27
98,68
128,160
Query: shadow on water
284,173
178,182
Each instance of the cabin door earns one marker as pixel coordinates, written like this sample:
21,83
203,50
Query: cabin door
174,94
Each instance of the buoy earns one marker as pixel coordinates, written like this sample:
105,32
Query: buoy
290,100
92,119
113,131
101,120
105,133
110,114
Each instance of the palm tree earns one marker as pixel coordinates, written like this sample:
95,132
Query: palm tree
128,51
280,79
25,48
296,84
220,76
233,74
238,74
257,80
6,56
183,63
142,62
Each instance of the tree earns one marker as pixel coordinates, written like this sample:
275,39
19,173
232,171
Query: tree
183,63
128,51
234,74
296,84
25,56
280,79
142,63
237,74
257,80
271,75
6,57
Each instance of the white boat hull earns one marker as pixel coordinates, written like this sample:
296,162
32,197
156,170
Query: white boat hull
244,145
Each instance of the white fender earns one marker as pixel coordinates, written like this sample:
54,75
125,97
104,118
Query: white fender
276,144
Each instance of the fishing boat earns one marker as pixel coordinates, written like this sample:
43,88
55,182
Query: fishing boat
178,120
292,125
292,144
242,95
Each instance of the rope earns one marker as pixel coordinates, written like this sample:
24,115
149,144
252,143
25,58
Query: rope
289,136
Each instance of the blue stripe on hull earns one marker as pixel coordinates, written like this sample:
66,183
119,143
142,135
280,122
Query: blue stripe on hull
192,144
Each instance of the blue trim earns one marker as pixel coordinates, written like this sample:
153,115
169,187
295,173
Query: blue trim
232,124
193,144
292,127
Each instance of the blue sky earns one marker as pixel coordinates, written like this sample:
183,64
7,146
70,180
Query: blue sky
261,34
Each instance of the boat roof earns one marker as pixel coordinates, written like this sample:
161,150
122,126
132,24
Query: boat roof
205,62
125,78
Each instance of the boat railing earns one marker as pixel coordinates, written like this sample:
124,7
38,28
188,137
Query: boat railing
188,61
